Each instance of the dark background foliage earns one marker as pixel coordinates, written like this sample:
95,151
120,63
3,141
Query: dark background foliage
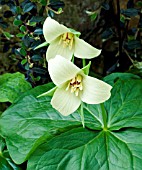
115,26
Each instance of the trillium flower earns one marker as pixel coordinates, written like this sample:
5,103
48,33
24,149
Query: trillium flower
73,86
64,41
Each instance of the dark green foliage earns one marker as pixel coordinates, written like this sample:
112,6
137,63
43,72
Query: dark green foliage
28,17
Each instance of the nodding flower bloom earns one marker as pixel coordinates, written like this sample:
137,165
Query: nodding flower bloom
73,86
64,41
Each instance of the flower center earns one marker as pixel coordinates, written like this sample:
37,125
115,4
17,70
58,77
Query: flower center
75,85
67,40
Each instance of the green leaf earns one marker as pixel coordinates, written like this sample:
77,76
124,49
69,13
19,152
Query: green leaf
34,131
24,61
122,18
7,35
41,45
17,22
23,52
18,10
94,16
5,161
84,149
28,7
32,24
23,28
124,108
31,113
112,78
20,35
36,58
11,86
43,2
38,31
37,19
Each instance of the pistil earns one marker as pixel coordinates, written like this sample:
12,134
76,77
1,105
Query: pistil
67,40
75,85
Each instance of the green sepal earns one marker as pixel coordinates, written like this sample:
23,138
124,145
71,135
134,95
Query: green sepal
86,68
41,45
77,33
48,93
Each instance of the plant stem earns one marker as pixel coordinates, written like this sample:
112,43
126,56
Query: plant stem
82,115
104,116
84,62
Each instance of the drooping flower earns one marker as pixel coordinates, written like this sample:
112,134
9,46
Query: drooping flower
73,86
64,41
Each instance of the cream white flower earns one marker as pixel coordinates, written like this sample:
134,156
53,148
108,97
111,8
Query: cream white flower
73,86
64,41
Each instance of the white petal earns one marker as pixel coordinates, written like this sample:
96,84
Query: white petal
95,91
52,29
61,70
65,101
85,50
57,49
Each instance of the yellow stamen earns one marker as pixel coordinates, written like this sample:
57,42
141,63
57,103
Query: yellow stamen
67,40
72,80
81,86
75,85
64,36
73,89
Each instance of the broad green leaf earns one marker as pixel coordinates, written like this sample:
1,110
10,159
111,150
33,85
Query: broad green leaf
112,78
66,143
30,113
124,108
84,149
76,149
11,86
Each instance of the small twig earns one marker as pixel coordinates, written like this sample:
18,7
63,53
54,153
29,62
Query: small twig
128,55
56,12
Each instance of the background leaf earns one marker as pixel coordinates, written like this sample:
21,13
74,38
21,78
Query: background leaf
11,86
